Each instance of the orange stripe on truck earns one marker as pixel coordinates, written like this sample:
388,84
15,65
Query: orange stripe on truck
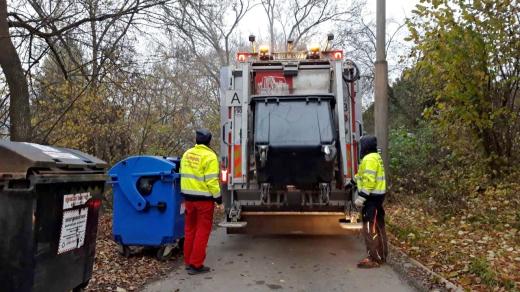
349,160
237,163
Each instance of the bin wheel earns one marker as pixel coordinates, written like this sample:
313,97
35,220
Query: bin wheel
124,250
180,245
81,287
164,252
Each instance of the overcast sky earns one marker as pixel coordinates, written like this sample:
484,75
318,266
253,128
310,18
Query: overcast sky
255,21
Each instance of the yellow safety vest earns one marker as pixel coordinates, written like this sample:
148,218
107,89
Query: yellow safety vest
370,178
199,173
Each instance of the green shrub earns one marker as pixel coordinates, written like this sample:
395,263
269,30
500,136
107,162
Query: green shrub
421,164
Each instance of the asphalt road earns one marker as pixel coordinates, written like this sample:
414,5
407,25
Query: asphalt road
283,263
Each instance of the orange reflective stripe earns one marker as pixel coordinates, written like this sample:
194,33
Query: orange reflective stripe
349,160
237,163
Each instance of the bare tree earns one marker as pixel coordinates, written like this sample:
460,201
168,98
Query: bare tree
4,109
304,17
358,38
203,23
299,20
20,121
57,24
269,7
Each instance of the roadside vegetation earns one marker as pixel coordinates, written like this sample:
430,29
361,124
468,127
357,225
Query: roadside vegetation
455,144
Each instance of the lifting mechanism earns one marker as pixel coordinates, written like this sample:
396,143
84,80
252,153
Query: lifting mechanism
291,123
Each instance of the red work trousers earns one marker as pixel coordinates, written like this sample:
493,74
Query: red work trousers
197,227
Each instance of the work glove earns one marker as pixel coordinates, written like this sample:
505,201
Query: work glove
360,201
350,183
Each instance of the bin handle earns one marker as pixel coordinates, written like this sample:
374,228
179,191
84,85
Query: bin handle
129,189
152,173
360,128
224,132
112,180
165,176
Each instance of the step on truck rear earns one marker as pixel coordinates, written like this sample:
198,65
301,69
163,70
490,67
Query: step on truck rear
290,127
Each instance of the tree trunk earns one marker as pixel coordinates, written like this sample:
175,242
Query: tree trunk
19,112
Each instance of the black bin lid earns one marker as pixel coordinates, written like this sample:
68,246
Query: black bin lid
16,158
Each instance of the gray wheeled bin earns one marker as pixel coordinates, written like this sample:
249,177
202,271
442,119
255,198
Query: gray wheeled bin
49,205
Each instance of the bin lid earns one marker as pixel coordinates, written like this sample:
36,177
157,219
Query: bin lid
16,158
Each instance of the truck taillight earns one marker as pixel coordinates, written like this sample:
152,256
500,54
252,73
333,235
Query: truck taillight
224,175
242,57
337,55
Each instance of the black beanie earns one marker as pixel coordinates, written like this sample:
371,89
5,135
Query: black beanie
203,136
368,144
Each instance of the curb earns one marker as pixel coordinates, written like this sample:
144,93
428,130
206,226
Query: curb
416,274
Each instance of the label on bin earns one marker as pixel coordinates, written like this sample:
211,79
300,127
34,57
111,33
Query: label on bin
72,200
53,152
73,229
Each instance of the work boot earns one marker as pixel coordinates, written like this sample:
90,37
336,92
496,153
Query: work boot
368,263
201,270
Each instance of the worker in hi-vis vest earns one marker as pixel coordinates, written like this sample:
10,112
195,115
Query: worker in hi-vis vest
371,189
201,190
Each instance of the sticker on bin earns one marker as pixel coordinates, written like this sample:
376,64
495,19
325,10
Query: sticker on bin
53,152
73,200
183,208
73,229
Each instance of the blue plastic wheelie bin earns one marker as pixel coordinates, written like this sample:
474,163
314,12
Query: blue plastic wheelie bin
148,209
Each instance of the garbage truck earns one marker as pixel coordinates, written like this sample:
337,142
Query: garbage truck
290,127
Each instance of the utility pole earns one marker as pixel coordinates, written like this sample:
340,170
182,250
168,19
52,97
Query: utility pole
381,83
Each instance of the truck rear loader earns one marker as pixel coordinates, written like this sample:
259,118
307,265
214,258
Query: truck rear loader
290,127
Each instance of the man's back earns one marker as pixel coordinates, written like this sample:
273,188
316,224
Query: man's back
199,171
371,174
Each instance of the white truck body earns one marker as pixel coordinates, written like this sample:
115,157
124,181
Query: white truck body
289,94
